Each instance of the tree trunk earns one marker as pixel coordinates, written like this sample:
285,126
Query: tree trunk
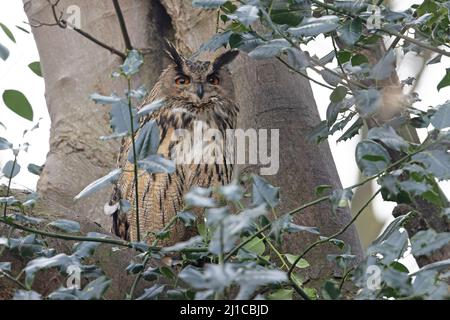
269,96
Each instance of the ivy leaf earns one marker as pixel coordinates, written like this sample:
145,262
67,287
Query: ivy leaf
231,192
297,59
256,246
389,137
36,68
341,198
208,4
368,102
371,158
85,249
35,169
264,192
157,163
18,103
5,144
315,26
200,197
445,82
147,142
437,163
396,224
246,14
99,184
8,169
68,226
120,117
441,119
384,68
282,294
301,264
338,94
427,241
216,42
352,131
98,98
191,243
4,52
61,261
153,292
151,107
7,32
27,295
132,63
187,217
5,266
351,31
270,49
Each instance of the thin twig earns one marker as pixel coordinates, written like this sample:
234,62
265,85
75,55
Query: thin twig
123,26
63,24
334,236
12,279
8,189
135,162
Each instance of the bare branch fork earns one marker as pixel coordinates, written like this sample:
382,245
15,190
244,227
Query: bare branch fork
62,23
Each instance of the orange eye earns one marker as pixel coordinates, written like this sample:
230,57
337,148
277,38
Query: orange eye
182,80
213,80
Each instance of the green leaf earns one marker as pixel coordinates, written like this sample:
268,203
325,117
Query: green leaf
5,144
441,119
216,42
132,63
321,189
338,94
157,163
344,56
120,117
368,102
282,294
36,68
351,31
264,192
246,14
371,158
384,68
330,290
352,131
68,226
147,142
35,169
152,293
23,29
270,49
256,245
341,198
99,184
7,32
359,59
437,163
4,52
445,82
61,261
301,264
208,4
98,98
315,26
11,170
18,103
427,241
389,137
187,217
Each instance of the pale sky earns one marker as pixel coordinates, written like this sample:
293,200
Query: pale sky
14,74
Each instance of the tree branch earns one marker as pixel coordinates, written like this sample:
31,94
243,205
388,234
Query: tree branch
123,26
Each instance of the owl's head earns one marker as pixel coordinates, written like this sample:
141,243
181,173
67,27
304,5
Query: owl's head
197,82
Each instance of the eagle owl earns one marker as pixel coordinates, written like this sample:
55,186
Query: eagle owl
193,91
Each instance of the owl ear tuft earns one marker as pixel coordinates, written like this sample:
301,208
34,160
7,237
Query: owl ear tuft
225,59
173,54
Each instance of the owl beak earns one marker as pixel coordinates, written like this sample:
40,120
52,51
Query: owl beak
200,91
